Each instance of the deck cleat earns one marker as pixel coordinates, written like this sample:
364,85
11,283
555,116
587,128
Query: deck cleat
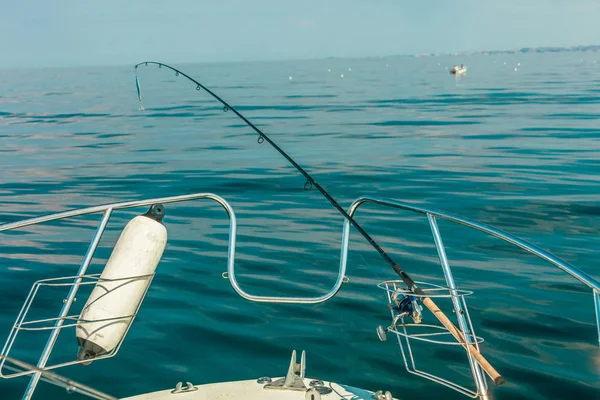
380,395
294,379
179,388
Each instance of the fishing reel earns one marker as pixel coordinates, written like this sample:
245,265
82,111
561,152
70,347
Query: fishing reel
401,306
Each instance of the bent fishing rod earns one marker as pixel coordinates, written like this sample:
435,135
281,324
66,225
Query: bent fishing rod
310,183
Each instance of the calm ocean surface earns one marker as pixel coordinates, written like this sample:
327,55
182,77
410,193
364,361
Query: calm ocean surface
517,149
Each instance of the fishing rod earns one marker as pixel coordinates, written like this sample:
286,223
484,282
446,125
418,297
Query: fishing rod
310,183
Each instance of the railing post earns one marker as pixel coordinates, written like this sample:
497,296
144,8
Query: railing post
478,376
35,378
597,307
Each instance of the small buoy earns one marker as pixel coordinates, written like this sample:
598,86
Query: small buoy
387,65
290,78
349,69
109,310
504,62
328,69
342,75
515,68
519,64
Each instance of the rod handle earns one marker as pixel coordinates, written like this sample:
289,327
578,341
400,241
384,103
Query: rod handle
487,367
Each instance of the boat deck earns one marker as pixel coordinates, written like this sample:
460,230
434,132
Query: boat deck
251,390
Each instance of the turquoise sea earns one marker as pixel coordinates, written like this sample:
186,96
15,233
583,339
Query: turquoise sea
515,144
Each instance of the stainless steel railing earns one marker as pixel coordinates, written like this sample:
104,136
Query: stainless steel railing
459,306
81,278
432,214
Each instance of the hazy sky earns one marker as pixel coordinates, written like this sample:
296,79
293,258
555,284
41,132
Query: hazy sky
104,32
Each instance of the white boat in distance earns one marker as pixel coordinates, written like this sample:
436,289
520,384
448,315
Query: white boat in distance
456,70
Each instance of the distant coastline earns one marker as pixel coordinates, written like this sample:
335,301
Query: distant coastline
545,49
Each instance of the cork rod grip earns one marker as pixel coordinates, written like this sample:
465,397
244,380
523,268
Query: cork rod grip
487,367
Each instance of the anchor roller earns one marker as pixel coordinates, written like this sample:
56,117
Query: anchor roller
122,285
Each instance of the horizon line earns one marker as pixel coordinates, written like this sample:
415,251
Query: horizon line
269,60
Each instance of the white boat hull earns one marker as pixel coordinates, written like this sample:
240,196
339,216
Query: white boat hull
458,71
252,390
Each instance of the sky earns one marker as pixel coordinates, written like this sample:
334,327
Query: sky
46,33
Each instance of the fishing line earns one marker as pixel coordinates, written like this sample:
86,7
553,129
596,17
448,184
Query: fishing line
310,182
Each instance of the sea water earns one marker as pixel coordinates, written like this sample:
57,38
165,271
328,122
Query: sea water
514,143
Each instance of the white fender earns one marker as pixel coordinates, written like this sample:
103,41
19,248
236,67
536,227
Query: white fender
137,252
